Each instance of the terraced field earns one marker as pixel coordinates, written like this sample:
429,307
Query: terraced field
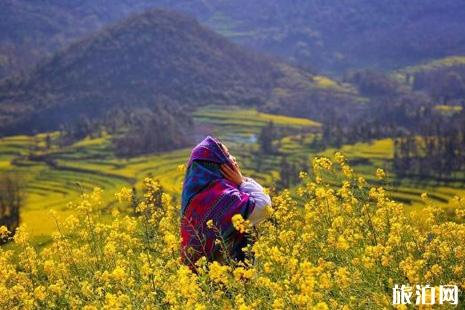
366,157
91,163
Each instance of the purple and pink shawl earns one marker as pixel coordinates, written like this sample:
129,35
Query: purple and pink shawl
207,195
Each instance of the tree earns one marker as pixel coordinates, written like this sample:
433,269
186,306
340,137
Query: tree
288,173
150,131
454,86
265,138
285,173
373,83
48,142
11,199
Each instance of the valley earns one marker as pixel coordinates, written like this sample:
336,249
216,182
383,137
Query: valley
55,176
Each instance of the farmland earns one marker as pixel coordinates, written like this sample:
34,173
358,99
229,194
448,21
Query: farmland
91,162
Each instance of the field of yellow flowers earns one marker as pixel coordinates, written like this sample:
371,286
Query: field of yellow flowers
331,247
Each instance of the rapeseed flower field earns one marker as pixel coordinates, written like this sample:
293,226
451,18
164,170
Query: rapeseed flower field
340,244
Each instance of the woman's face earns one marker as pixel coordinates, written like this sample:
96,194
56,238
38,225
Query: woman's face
226,151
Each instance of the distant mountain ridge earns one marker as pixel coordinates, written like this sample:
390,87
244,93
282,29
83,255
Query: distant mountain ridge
329,36
336,35
31,29
155,58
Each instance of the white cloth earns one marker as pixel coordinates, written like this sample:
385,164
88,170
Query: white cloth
262,200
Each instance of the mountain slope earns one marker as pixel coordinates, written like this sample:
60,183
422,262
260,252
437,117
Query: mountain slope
158,57
339,34
442,79
330,36
30,29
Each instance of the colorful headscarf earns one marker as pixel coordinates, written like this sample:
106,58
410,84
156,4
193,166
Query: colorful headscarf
207,195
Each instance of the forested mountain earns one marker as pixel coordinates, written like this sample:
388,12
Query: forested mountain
151,59
339,34
31,29
442,79
327,35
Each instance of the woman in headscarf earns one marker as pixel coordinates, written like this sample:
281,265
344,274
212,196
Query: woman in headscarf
214,191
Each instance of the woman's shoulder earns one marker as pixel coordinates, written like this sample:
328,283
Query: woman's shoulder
250,184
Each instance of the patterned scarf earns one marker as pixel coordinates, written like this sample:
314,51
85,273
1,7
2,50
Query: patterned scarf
207,195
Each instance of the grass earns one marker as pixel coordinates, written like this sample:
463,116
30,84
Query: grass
91,163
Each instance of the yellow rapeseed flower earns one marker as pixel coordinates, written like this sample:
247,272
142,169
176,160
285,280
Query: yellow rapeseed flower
329,248
240,224
380,174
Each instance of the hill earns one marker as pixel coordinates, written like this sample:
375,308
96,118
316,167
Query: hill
157,58
330,36
30,30
443,79
335,35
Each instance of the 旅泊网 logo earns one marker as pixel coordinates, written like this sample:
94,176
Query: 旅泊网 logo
425,294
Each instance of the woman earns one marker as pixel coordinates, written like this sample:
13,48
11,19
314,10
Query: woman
214,191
